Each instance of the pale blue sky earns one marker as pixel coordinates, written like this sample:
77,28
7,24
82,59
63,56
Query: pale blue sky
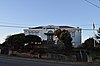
76,13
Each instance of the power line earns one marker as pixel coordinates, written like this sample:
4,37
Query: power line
16,24
89,29
92,4
13,26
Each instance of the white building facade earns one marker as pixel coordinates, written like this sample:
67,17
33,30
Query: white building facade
41,31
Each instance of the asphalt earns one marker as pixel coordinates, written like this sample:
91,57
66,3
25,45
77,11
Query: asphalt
47,61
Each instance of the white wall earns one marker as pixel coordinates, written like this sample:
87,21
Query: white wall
77,38
75,34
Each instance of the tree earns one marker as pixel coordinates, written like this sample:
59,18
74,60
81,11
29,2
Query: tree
89,43
16,41
57,33
32,38
65,37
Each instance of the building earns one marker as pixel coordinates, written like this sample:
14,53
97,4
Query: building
46,33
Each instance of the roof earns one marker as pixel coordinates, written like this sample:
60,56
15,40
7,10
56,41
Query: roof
50,27
36,27
66,27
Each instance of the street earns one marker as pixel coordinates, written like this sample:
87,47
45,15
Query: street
15,61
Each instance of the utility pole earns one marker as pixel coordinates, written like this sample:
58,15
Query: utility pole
94,40
94,33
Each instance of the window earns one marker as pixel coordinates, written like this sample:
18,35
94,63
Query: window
73,34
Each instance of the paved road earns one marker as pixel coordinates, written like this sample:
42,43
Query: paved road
13,61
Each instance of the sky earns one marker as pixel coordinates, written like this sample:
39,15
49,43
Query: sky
30,13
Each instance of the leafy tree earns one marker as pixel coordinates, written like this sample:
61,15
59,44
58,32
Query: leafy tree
65,37
89,43
16,41
32,38
57,33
